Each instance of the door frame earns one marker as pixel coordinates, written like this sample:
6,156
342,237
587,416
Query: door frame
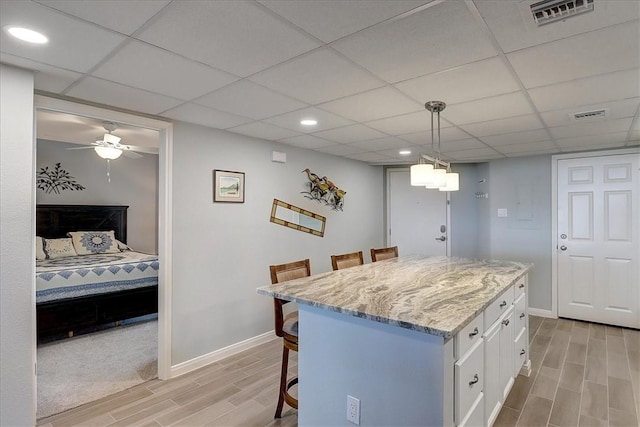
165,161
554,211
387,236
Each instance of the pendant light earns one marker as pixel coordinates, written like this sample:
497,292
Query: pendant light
438,174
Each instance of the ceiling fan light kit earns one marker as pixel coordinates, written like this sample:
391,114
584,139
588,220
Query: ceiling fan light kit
437,174
109,153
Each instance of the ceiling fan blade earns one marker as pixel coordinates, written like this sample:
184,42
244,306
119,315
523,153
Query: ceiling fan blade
131,154
140,149
80,148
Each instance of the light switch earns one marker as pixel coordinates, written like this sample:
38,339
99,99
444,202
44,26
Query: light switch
278,157
502,213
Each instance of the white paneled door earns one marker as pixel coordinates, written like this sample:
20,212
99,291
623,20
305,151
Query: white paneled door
417,217
599,239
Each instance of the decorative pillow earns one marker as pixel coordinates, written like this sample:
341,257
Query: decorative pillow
58,248
40,255
122,246
94,242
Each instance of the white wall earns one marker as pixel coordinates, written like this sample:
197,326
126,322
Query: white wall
17,257
222,251
134,183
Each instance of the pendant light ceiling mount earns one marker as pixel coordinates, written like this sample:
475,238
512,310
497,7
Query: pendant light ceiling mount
437,174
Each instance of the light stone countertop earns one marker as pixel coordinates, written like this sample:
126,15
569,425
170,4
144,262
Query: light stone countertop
436,295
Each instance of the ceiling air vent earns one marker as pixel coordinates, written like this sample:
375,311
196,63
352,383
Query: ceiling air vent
586,115
547,11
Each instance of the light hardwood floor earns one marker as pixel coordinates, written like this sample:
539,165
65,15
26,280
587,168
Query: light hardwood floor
583,374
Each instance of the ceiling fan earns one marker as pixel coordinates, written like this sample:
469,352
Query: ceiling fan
110,148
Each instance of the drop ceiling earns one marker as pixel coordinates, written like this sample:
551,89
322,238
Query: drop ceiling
363,69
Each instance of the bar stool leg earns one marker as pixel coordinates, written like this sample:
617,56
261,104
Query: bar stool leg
283,381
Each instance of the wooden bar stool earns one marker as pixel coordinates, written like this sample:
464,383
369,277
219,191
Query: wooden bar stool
287,327
338,262
384,253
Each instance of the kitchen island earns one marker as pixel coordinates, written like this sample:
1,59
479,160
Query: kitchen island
419,341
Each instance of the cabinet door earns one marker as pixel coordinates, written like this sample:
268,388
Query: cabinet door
492,390
506,353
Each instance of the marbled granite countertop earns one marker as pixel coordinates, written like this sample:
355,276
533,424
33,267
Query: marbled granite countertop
436,295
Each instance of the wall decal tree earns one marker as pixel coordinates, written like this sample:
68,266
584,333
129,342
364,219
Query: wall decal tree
56,180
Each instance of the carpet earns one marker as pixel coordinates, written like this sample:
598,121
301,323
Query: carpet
79,370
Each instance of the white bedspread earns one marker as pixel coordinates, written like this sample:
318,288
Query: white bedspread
94,274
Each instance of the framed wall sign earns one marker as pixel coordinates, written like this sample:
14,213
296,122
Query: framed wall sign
228,186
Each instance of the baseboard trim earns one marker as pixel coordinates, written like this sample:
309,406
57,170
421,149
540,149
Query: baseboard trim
214,356
542,313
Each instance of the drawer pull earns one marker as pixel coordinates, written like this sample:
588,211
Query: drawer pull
475,380
521,315
522,352
503,304
521,286
505,322
474,333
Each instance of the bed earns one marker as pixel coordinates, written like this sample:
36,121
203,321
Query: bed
78,293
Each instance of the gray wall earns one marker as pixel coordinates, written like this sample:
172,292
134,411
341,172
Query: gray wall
222,251
464,210
17,255
134,182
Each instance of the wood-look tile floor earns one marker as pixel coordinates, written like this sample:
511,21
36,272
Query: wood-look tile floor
583,374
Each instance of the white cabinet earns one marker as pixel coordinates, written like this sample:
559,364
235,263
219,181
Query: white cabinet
492,395
506,353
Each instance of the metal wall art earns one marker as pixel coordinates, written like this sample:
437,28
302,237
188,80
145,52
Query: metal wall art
324,191
56,180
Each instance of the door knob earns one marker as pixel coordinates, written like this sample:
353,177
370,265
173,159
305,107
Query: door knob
441,238
563,248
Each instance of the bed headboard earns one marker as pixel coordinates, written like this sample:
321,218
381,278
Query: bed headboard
55,221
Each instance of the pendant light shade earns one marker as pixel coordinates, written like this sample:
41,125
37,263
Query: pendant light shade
438,179
421,174
453,182
108,153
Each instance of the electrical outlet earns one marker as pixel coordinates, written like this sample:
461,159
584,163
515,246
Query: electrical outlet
353,410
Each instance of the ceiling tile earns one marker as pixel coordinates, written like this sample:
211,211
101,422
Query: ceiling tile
480,79
193,113
615,110
451,147
47,78
251,100
372,105
509,18
446,134
341,149
329,20
73,44
482,110
509,125
516,138
312,77
117,95
325,120
307,141
369,157
590,90
592,127
147,67
591,140
235,36
263,131
598,52
412,157
347,134
126,18
530,147
420,121
386,143
477,153
435,39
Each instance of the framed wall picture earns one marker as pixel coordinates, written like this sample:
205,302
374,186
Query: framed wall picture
228,186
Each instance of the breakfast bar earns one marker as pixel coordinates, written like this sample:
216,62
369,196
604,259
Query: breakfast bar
416,340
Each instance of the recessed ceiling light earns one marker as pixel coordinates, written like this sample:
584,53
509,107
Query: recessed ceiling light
27,35
308,122
404,152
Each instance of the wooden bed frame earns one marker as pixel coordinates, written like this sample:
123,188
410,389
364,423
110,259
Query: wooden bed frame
74,314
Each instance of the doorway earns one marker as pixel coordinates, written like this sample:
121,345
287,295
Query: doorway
417,218
597,237
165,130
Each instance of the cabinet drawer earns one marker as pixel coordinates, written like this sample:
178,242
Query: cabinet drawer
475,416
499,306
520,286
468,336
469,380
520,351
521,312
